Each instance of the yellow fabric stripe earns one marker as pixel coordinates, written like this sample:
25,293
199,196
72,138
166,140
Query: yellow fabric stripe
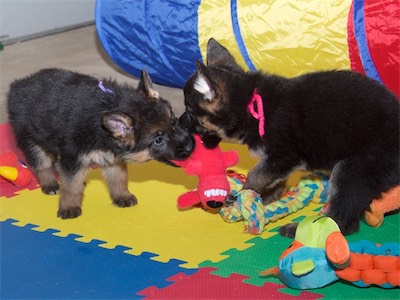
214,17
284,37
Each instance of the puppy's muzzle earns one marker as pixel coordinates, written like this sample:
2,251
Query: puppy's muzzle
186,149
209,138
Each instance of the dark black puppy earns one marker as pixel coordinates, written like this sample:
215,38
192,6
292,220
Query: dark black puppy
338,121
76,121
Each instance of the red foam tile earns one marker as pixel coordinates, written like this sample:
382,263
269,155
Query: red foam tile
203,285
8,141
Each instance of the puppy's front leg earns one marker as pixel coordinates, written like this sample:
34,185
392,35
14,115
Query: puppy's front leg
71,193
268,179
117,180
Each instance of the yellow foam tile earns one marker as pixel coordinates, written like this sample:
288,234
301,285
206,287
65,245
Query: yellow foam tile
155,225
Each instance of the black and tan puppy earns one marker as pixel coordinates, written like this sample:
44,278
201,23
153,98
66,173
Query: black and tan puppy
75,121
336,120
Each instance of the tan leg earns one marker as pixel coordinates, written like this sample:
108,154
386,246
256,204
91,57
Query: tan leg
71,194
117,180
47,181
42,165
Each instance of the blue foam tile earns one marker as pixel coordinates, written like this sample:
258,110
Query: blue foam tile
39,265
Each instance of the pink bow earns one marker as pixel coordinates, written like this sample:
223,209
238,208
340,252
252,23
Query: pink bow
256,109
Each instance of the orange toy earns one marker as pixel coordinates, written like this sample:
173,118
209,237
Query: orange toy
320,255
372,264
390,201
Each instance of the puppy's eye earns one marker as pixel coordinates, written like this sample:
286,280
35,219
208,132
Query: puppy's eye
159,140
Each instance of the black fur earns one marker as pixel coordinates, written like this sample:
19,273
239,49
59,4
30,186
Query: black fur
65,118
339,121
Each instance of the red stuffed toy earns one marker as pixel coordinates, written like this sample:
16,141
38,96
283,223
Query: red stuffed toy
14,171
210,166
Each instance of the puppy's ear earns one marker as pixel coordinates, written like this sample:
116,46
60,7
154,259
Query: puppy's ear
202,82
120,125
219,55
146,86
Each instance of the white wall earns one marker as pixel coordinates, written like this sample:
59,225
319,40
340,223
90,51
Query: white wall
24,18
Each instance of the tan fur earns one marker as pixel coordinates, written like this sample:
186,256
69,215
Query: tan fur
44,161
211,127
46,178
139,157
99,158
210,106
117,180
128,139
71,189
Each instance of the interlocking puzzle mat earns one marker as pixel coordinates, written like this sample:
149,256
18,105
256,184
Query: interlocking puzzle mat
150,251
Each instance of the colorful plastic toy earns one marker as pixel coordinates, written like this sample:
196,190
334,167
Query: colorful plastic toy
390,201
14,171
249,207
210,166
320,255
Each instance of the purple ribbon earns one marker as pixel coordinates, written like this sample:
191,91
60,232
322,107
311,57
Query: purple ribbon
104,89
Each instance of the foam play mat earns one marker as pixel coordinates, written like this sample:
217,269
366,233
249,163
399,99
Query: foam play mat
152,250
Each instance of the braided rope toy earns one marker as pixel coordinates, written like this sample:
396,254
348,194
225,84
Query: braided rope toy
249,207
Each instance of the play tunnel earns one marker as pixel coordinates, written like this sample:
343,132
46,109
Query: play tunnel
284,37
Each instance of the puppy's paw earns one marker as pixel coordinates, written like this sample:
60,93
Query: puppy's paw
125,201
348,221
51,189
229,200
267,199
274,194
288,230
69,213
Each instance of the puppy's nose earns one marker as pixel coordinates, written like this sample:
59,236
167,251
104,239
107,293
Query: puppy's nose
187,149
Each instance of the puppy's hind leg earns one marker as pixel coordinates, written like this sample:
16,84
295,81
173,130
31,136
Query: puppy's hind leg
355,182
117,180
42,165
